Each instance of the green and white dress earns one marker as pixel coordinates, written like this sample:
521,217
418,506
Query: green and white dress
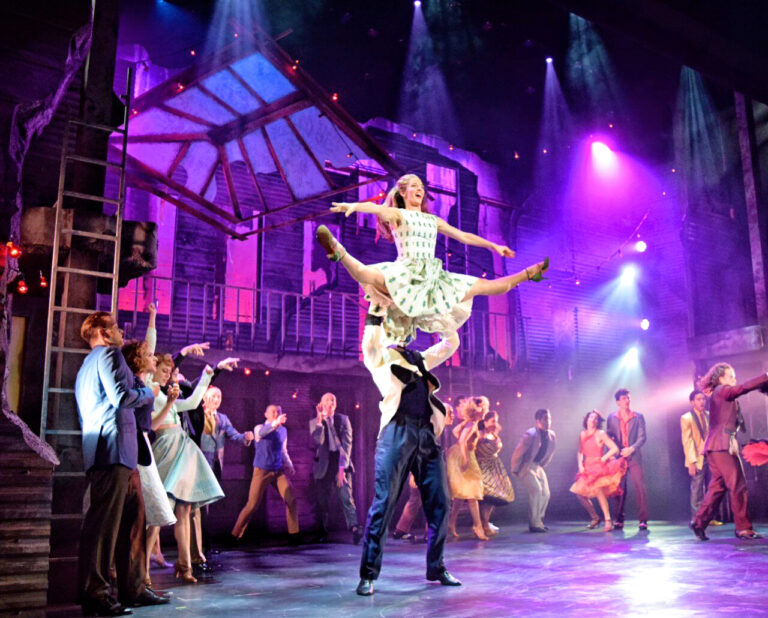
424,295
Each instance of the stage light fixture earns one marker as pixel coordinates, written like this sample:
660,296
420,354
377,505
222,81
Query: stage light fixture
266,372
641,246
21,285
631,358
43,280
13,250
417,4
247,371
549,59
645,323
519,395
628,275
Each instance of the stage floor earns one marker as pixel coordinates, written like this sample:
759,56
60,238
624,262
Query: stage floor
569,571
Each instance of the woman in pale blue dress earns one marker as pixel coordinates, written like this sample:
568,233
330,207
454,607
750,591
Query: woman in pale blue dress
418,292
187,477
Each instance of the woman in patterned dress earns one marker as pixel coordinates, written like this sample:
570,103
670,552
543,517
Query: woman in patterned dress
422,294
497,488
599,473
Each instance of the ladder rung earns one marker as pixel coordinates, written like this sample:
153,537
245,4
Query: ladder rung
82,159
88,196
111,237
63,432
82,271
66,516
56,389
100,127
68,474
57,348
72,310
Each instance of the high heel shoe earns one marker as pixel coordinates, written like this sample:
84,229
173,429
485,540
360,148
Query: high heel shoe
537,276
160,561
452,534
608,525
184,573
594,523
479,533
333,248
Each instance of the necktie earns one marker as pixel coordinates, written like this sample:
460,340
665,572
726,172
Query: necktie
333,440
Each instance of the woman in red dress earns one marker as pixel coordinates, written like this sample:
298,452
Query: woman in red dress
599,473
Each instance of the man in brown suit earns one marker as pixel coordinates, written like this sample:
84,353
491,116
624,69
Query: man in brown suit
722,450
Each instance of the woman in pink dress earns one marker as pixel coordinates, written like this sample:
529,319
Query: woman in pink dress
599,473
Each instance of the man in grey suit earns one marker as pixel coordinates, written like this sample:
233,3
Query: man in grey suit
332,472
627,429
114,526
531,455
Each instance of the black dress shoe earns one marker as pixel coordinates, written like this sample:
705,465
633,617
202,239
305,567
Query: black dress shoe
444,577
202,567
699,532
365,588
105,607
149,597
536,529
398,534
618,525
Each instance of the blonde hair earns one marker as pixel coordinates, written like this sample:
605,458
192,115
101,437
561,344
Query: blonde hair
212,390
395,199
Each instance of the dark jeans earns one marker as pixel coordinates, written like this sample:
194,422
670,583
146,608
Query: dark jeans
727,476
324,488
635,472
113,531
407,445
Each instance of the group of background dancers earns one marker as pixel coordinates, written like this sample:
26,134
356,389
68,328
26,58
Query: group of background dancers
123,397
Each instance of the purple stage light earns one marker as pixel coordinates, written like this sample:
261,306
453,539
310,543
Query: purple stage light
417,3
641,246
549,59
604,159
645,324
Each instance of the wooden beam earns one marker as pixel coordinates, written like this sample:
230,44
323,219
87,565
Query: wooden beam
218,100
252,172
138,183
319,196
164,138
145,170
209,179
230,182
187,115
179,158
277,162
247,123
246,86
308,150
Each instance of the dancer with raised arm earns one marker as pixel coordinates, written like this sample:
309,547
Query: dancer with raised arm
424,295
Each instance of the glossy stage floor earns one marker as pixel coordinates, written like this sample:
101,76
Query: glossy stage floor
569,571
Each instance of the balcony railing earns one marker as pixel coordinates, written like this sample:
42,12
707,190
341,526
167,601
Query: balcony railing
281,322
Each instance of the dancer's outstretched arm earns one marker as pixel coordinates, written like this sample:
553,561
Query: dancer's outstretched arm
388,215
473,240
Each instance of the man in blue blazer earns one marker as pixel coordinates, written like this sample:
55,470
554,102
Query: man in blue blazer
114,526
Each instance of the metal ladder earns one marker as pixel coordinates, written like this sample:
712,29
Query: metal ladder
57,385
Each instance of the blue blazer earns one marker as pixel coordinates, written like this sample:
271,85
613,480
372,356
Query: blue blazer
107,395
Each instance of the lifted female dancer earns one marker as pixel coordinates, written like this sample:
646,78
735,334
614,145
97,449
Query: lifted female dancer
424,295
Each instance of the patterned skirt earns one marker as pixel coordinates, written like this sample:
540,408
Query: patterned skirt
466,482
156,503
425,296
186,475
600,475
497,487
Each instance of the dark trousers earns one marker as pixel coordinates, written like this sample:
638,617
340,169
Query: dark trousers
407,445
698,489
727,476
326,487
113,531
635,472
